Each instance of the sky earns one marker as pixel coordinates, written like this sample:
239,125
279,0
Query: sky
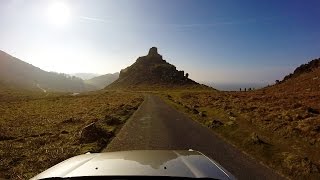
221,41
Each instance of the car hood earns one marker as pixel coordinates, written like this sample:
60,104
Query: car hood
139,163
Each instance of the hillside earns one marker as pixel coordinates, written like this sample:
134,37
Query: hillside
305,80
21,74
102,81
278,125
303,69
152,71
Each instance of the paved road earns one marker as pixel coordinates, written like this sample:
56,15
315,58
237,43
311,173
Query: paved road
156,125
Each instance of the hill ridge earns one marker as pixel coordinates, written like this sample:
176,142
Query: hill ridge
26,76
304,68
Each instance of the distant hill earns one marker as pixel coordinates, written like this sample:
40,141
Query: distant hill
23,75
150,72
103,81
85,76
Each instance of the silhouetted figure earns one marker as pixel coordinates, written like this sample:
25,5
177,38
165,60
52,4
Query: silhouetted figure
249,89
187,75
240,89
245,89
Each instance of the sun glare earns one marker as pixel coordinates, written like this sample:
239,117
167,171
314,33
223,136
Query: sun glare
59,14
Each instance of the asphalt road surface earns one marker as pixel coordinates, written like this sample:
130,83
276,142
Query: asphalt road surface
156,125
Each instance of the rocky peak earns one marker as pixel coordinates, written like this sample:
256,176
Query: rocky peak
153,52
151,70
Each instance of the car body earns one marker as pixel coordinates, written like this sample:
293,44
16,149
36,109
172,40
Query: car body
163,163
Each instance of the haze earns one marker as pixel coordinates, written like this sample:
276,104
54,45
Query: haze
214,41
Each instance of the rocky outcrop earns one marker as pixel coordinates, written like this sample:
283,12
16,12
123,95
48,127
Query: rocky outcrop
151,70
153,53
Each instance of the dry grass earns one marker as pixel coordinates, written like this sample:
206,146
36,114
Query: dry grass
279,125
37,132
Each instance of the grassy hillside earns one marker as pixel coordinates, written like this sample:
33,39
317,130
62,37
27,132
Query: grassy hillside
278,125
39,132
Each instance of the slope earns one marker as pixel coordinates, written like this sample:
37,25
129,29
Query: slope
103,80
19,73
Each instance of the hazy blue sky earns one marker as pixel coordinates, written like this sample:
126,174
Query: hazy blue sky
215,40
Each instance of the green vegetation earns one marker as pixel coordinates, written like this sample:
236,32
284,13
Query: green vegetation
37,131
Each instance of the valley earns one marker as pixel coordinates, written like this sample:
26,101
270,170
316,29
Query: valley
274,131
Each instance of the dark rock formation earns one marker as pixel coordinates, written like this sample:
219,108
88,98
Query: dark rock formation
153,52
151,70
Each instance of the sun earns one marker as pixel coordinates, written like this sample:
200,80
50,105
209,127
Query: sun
59,13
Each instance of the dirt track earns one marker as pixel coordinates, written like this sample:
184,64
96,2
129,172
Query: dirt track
156,125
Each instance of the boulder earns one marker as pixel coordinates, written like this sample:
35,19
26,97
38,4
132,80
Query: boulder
94,132
195,111
216,123
312,110
202,114
110,120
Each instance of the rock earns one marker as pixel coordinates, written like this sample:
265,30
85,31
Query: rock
202,114
232,118
313,111
153,51
110,120
89,133
195,111
216,123
180,74
94,132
